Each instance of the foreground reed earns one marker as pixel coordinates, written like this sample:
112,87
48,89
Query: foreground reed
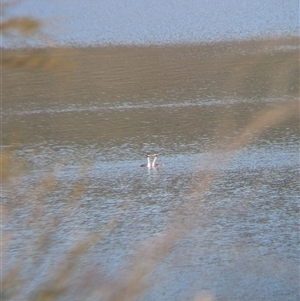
66,280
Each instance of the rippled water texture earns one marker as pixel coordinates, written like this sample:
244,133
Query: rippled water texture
219,219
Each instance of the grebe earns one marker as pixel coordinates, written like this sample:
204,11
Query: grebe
154,164
148,162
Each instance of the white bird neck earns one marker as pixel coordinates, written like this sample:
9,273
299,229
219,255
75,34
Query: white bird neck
149,162
154,162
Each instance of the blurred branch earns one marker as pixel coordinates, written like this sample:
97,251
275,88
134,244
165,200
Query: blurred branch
24,26
19,30
35,59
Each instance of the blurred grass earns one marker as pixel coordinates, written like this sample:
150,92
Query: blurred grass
24,26
171,71
133,282
22,29
38,59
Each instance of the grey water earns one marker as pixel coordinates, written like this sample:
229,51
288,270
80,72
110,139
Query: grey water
73,141
143,22
244,241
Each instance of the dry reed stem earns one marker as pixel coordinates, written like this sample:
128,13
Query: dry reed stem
150,254
266,118
39,59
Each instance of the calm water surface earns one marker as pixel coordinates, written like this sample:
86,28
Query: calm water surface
76,145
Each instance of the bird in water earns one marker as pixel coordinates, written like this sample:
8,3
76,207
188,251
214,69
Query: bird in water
154,164
148,162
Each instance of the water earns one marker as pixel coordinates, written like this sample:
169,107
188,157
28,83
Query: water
131,22
76,138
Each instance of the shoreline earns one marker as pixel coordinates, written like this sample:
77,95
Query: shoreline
253,39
